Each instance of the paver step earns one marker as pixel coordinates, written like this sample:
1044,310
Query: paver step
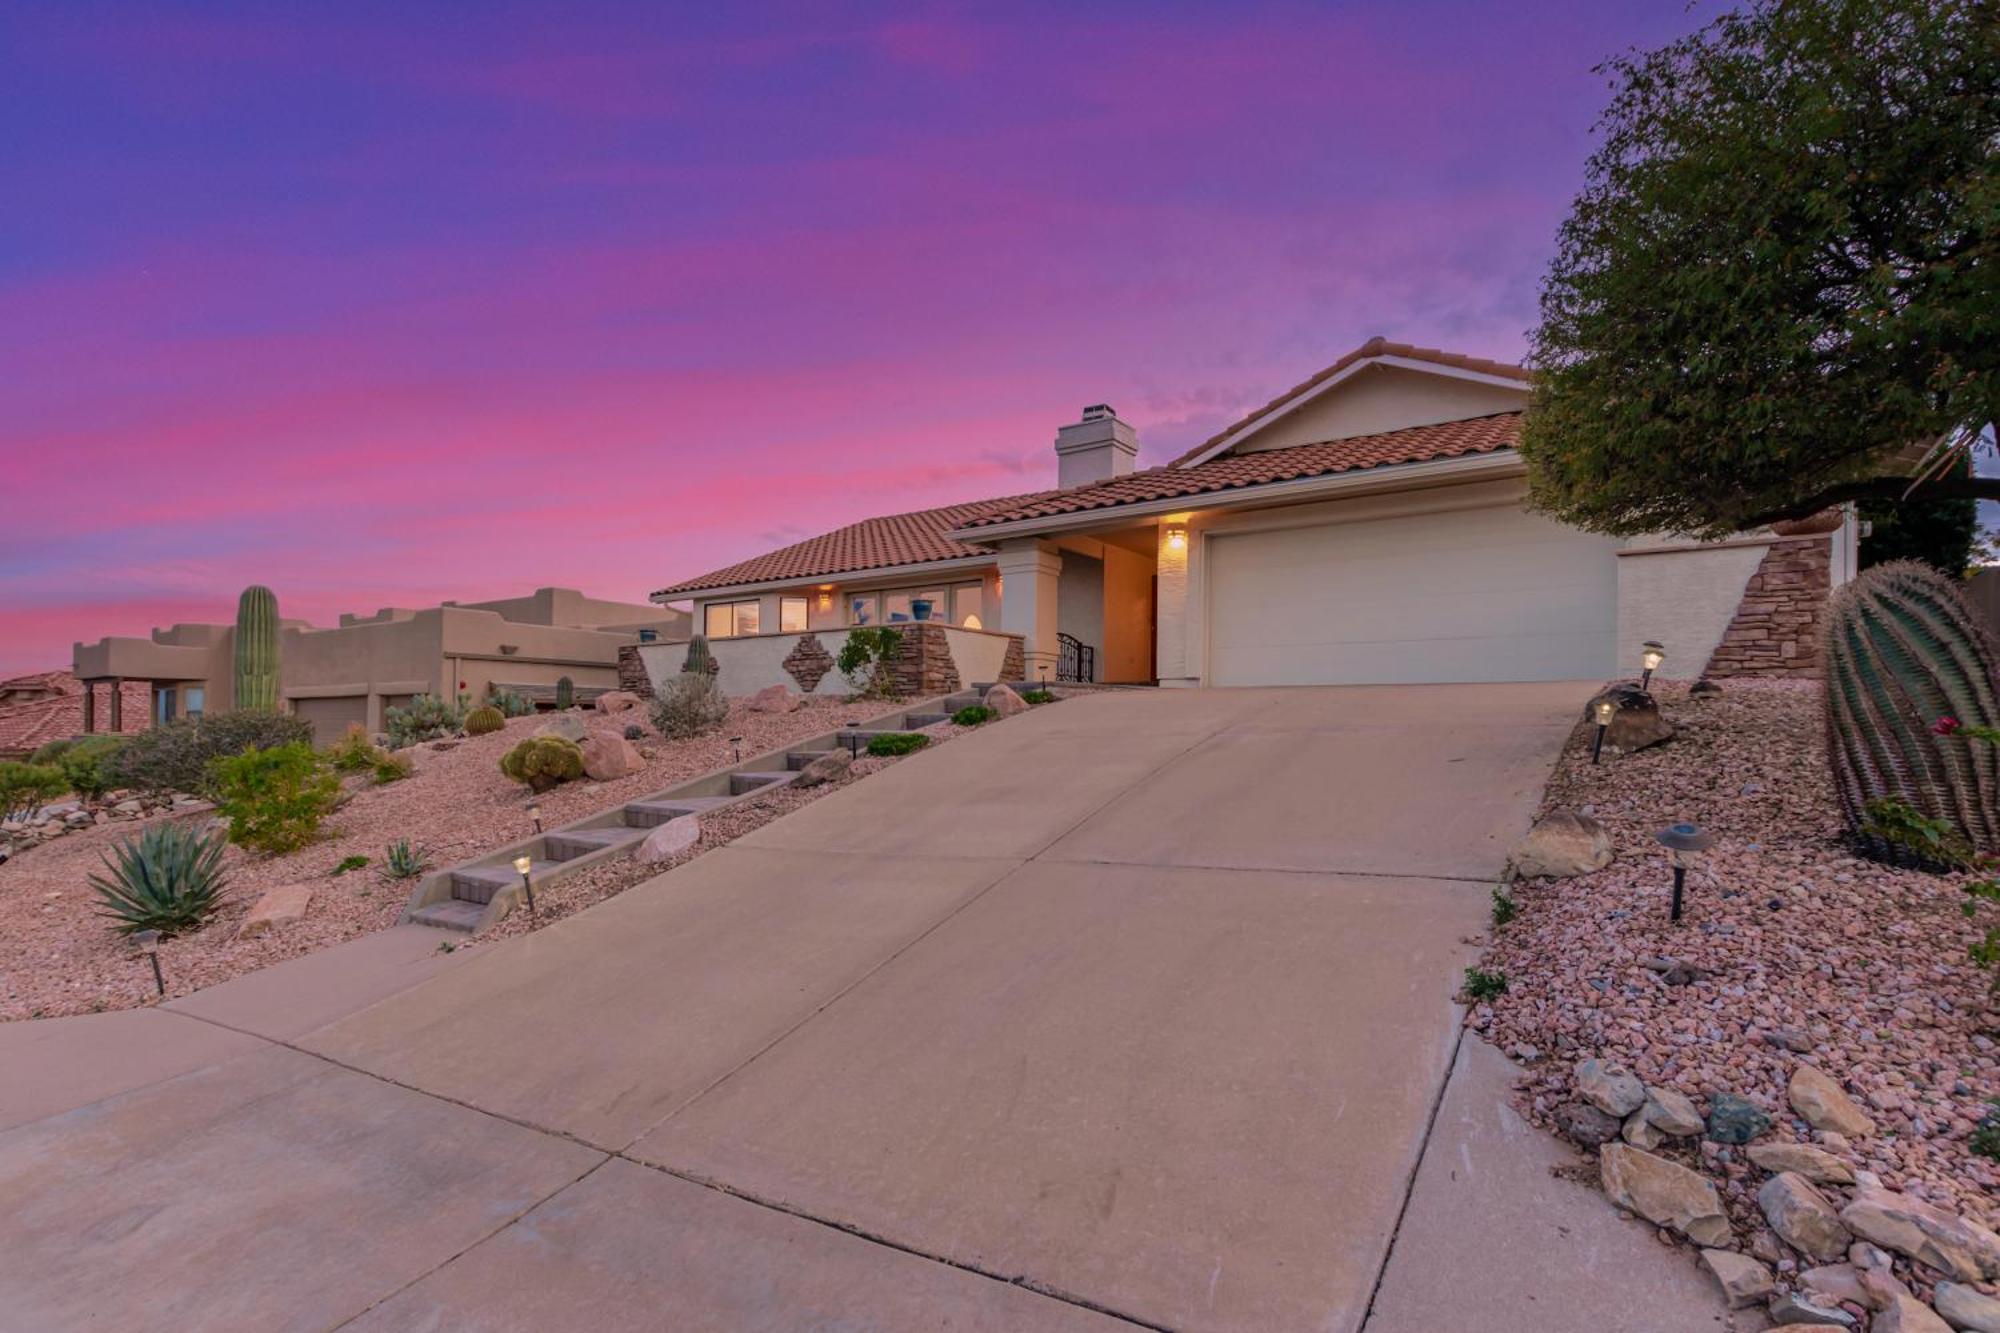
451,914
739,783
918,721
652,814
963,699
478,884
582,842
798,759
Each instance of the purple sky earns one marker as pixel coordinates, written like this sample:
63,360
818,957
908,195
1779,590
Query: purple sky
398,302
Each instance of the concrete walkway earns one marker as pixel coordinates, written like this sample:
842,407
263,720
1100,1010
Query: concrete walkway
1135,1010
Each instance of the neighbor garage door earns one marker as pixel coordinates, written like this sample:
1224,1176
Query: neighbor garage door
1469,595
330,717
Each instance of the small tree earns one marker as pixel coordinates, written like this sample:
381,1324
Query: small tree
25,786
276,799
1778,287
868,660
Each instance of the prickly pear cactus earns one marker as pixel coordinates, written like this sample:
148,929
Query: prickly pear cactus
257,649
565,693
1904,652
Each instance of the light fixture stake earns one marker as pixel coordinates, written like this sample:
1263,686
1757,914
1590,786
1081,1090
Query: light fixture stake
525,865
1605,709
535,814
1650,657
1683,842
853,738
148,943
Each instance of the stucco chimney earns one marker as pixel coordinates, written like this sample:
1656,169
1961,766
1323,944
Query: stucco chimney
1097,448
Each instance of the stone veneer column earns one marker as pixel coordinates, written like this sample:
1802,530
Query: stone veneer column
1776,628
1028,581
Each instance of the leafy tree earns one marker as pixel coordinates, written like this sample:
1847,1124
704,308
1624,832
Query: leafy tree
1780,285
1940,531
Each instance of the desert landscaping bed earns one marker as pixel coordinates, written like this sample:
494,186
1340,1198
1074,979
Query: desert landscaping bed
57,956
1793,952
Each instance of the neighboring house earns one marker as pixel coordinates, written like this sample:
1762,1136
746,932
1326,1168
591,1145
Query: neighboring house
1368,525
48,706
367,664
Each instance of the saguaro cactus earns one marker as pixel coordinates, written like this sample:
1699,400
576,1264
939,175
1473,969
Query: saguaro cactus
699,658
257,649
1904,650
565,693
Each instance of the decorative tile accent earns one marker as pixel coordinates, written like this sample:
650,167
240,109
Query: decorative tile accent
808,662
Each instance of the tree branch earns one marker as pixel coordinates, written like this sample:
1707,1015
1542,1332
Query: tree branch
1882,488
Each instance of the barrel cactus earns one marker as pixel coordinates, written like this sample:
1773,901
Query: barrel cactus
565,693
484,720
699,658
257,649
543,762
1907,663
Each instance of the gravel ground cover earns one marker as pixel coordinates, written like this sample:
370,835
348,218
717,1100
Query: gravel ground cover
1799,950
58,957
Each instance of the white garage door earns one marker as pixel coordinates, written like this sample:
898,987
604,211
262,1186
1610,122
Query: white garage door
1470,595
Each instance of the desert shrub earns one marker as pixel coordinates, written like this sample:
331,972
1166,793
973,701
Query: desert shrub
1505,909
86,765
168,878
892,743
349,863
52,751
177,755
275,799
1911,836
354,752
390,768
25,786
867,660
1037,697
1481,985
402,860
543,762
485,721
509,703
634,732
973,716
425,718
690,704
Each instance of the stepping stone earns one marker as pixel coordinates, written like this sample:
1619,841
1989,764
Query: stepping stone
743,783
451,914
583,842
478,884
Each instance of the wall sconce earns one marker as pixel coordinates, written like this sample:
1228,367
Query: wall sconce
1684,843
1650,657
524,864
1605,710
1177,536
826,598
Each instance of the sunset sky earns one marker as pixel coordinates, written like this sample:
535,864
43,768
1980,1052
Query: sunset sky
388,303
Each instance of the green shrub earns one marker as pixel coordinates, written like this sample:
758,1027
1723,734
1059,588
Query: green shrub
973,716
1037,697
177,755
1481,985
485,721
543,762
87,765
52,751
354,752
403,861
390,768
26,786
425,718
347,863
168,879
867,660
892,743
1504,908
1985,1140
1910,835
509,703
689,705
275,799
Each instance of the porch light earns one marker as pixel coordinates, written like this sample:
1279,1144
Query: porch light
826,598
1684,843
1650,659
1605,711
1177,536
147,942
524,864
535,814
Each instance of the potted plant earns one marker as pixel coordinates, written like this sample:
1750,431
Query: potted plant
920,607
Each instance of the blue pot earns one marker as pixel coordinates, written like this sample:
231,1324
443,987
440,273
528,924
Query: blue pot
921,608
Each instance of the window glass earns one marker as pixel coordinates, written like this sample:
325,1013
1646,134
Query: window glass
791,614
163,705
968,605
718,622
861,610
746,617
895,607
192,700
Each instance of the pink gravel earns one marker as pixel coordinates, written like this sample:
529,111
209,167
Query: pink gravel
1864,964
57,956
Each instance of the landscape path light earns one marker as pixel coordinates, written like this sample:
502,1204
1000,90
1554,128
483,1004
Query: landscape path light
1605,709
524,864
736,744
1650,658
1684,843
147,942
853,737
535,814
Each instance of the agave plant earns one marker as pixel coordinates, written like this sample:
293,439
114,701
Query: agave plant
402,860
168,879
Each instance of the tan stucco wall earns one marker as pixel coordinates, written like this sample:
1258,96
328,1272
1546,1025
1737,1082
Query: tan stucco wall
1681,597
834,617
1381,398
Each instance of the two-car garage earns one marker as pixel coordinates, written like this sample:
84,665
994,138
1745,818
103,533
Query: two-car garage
1488,593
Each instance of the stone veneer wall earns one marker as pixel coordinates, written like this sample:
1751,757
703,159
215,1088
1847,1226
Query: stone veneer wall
632,672
923,662
1776,628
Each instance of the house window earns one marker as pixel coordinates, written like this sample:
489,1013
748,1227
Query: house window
163,705
791,615
729,620
192,699
863,610
968,605
902,606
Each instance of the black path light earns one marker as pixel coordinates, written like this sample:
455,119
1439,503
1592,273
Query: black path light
524,863
1605,709
535,814
736,744
1650,657
1684,843
853,737
147,942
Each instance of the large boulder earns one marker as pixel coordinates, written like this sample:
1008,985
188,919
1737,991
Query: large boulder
277,908
1804,1217
669,840
1003,701
606,758
1561,844
829,767
1825,1105
616,701
1635,718
1951,1244
773,699
567,725
1664,1193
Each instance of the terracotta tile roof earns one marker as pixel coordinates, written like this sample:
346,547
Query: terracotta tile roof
26,727
873,543
1415,444
1376,346
62,682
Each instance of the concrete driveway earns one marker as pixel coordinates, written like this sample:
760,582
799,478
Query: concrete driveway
1135,1010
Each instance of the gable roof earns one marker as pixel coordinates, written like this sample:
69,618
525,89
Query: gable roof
1374,348
26,727
1414,444
874,543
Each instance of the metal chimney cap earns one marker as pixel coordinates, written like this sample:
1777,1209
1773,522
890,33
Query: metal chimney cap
1099,411
1685,838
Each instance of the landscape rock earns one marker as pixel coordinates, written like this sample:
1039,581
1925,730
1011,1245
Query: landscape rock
607,758
277,907
1610,1087
568,725
1815,1164
1672,1113
1744,1281
829,767
1635,718
1909,1226
1734,1120
670,840
1824,1105
1835,1282
1805,1218
1966,1309
1663,1193
619,701
1002,700
1561,844
1907,1314
1793,1309
1639,1133
773,699
1586,1125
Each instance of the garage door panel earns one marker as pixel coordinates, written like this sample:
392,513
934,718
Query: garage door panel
330,717
1483,594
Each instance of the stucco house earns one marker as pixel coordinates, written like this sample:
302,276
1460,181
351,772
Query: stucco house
1366,526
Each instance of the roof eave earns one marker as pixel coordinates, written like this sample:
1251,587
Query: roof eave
973,561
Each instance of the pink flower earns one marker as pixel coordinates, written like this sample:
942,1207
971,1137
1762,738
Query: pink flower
1945,726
